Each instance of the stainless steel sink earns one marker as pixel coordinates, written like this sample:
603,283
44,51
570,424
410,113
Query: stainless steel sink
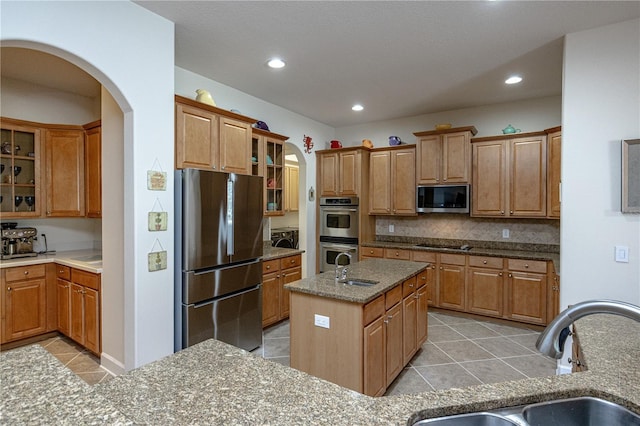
579,411
472,419
360,282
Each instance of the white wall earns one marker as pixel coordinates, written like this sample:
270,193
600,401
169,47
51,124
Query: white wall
529,116
601,106
279,121
32,102
130,51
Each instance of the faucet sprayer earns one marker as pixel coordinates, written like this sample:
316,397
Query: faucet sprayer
551,340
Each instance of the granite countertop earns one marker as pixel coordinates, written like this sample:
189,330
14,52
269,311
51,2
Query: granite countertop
215,383
389,273
270,253
86,260
480,248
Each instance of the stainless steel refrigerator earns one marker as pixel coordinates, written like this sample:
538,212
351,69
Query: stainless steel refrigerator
218,258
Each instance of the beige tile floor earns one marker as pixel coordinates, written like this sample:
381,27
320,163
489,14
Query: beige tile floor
459,352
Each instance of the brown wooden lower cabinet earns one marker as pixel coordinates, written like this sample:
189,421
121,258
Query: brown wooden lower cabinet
526,291
275,298
24,310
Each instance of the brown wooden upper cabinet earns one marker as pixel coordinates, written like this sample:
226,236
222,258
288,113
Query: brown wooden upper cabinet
444,156
64,172
340,172
93,169
554,161
510,176
211,138
392,189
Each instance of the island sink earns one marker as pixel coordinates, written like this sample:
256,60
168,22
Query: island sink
359,282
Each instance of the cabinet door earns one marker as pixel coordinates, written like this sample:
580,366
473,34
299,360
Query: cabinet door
528,177
374,358
403,182
288,276
452,287
291,184
77,313
64,165
93,172
25,309
349,174
489,179
409,327
328,174
485,291
422,320
63,297
235,146
380,183
91,319
553,174
429,150
196,138
527,297
432,291
456,157
270,298
393,342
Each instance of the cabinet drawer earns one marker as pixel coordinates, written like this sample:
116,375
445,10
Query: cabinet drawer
20,273
86,279
63,272
270,266
408,286
290,262
373,310
452,259
393,296
423,278
397,254
486,262
527,265
372,251
423,256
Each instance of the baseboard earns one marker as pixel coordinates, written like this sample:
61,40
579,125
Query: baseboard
111,364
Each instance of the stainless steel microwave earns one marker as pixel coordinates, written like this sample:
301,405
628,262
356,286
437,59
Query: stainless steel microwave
443,198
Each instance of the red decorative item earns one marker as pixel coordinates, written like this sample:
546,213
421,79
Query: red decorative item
308,145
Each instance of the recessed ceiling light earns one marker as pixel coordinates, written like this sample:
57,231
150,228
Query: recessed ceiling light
357,107
276,63
513,79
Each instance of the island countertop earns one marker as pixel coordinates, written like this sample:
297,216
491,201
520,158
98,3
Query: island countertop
214,383
388,272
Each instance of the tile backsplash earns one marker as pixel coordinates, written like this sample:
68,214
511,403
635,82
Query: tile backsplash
462,227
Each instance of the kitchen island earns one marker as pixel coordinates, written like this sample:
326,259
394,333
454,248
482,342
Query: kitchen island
359,336
215,383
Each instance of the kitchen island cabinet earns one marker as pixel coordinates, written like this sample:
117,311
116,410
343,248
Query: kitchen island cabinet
336,333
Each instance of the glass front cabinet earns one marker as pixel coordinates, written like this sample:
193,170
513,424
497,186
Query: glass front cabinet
20,153
268,162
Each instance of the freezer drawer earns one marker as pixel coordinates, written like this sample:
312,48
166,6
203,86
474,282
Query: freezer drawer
204,285
235,319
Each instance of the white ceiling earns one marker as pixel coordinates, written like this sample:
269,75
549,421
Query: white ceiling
397,58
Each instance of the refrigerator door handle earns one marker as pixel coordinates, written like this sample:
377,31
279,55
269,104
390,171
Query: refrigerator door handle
230,197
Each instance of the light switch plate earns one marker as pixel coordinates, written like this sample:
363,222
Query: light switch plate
622,254
322,321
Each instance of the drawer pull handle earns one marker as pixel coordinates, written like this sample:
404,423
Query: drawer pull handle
26,272
8,288
484,261
268,266
293,261
526,265
500,274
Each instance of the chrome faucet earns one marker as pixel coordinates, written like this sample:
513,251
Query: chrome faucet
341,276
551,340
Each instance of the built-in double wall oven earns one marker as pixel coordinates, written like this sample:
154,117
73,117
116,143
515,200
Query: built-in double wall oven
338,230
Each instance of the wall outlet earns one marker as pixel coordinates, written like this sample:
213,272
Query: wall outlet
322,321
392,228
622,254
505,233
